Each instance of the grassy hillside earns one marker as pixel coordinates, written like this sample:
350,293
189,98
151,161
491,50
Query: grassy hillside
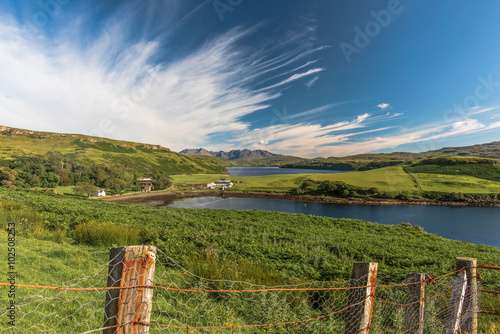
488,169
284,243
30,159
372,160
70,238
101,151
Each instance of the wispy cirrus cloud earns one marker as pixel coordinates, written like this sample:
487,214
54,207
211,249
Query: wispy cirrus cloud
356,136
116,88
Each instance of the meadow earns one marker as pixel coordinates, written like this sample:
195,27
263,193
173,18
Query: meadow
69,237
388,182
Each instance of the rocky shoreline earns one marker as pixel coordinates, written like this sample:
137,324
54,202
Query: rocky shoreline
160,198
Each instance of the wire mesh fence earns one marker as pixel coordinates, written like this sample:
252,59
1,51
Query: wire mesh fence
182,302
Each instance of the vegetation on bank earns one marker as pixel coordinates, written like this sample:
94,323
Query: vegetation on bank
488,169
387,183
298,246
69,237
30,159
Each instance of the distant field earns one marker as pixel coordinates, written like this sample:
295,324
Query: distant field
456,183
387,179
391,179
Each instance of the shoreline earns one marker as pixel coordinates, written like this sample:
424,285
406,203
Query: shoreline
160,198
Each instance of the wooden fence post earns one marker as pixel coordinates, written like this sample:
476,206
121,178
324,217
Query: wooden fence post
468,322
452,324
126,308
358,318
414,313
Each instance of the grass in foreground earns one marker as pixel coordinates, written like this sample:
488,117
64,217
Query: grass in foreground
262,247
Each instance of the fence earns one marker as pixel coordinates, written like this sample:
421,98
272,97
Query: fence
142,290
490,267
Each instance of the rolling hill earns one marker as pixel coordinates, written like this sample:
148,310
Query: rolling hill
378,160
31,159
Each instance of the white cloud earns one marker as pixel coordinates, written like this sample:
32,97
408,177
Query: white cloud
295,77
115,90
383,105
311,82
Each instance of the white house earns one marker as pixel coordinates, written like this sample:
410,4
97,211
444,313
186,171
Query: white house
221,183
100,193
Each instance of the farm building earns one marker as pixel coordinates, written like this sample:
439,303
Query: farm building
221,183
100,193
147,184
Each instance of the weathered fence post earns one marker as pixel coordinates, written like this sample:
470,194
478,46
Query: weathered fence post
358,317
468,321
452,324
414,312
130,268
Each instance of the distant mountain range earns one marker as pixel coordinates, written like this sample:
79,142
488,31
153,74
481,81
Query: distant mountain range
232,155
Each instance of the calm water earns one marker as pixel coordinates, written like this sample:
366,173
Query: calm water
259,171
475,225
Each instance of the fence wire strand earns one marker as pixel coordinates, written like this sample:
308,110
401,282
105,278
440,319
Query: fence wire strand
186,303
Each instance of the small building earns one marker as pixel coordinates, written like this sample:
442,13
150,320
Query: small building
221,183
100,193
147,184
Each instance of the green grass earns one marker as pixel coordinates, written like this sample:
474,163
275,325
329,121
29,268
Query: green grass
263,247
386,179
389,179
488,169
456,183
101,151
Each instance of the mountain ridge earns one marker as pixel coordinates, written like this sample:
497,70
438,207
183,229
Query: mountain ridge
244,154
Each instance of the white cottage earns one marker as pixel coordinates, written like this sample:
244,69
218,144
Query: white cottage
100,193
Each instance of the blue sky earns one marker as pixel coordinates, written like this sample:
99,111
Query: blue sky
308,78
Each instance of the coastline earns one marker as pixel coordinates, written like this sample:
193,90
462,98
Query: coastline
159,199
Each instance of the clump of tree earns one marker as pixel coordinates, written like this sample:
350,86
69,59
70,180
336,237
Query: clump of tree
52,170
336,189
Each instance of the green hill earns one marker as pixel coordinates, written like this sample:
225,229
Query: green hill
31,158
378,160
488,169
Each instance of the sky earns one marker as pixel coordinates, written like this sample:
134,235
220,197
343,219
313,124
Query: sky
307,78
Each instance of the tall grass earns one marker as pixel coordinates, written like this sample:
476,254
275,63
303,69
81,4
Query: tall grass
105,234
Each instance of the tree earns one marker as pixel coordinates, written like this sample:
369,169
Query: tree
64,179
84,188
50,180
162,181
115,184
34,180
7,177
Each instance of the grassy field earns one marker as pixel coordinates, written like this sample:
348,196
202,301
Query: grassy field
389,179
455,183
70,238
